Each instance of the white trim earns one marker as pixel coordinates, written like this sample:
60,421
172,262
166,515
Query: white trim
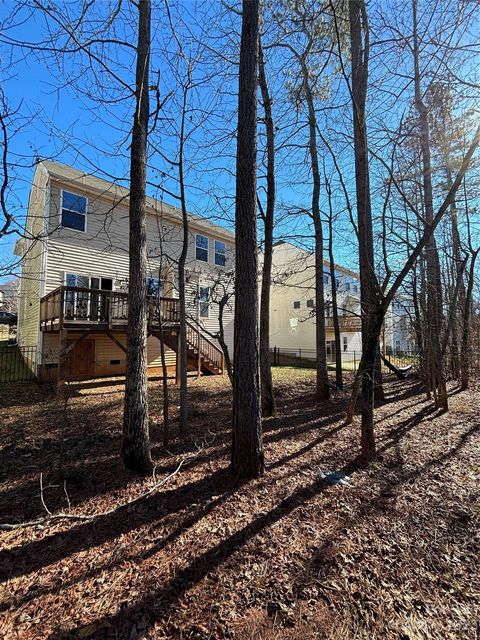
61,211
44,266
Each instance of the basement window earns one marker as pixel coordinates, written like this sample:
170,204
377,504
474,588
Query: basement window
74,211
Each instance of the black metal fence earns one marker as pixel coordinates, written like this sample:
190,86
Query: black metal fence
307,358
17,364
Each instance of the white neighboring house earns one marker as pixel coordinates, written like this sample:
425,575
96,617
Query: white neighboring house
398,333
292,307
74,278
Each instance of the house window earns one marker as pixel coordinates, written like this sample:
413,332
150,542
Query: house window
204,306
355,288
74,211
201,248
153,287
310,304
296,304
220,253
325,278
345,343
347,286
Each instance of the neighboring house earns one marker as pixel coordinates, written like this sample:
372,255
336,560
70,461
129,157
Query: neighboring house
73,297
292,307
398,333
292,303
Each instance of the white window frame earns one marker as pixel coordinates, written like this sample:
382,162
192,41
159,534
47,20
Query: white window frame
224,254
61,211
345,344
202,248
206,302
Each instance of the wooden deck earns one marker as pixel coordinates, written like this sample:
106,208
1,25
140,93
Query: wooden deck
78,308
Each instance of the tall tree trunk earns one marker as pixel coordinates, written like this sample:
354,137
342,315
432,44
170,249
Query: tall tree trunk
136,440
268,399
183,348
323,387
247,446
434,317
370,293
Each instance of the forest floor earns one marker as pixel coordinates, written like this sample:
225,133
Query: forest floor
391,552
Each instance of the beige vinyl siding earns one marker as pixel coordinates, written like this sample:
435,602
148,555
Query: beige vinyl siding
102,251
33,251
106,351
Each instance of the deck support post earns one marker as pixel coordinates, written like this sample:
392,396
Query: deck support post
177,361
62,360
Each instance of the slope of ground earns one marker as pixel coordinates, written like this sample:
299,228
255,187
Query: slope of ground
389,552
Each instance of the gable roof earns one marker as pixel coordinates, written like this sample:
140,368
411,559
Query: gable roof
100,187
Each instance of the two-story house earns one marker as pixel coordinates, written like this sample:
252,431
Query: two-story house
74,284
292,303
292,307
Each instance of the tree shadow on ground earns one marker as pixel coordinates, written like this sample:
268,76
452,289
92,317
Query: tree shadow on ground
159,603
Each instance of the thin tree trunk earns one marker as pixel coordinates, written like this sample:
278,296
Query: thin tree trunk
465,346
333,280
370,293
183,348
268,399
323,387
221,339
247,446
434,318
136,440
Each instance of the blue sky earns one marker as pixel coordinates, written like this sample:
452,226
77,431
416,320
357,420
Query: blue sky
56,120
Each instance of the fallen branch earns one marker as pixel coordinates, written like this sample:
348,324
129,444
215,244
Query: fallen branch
100,514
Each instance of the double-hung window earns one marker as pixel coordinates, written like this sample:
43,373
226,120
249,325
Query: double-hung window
220,253
74,211
201,248
204,299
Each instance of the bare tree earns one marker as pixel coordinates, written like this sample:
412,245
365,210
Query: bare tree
267,215
247,447
136,439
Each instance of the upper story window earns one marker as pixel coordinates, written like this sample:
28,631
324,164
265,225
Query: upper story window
74,211
220,253
296,304
355,288
201,248
310,304
347,286
325,278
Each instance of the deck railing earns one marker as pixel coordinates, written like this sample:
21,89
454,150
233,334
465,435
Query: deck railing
346,323
205,347
79,305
